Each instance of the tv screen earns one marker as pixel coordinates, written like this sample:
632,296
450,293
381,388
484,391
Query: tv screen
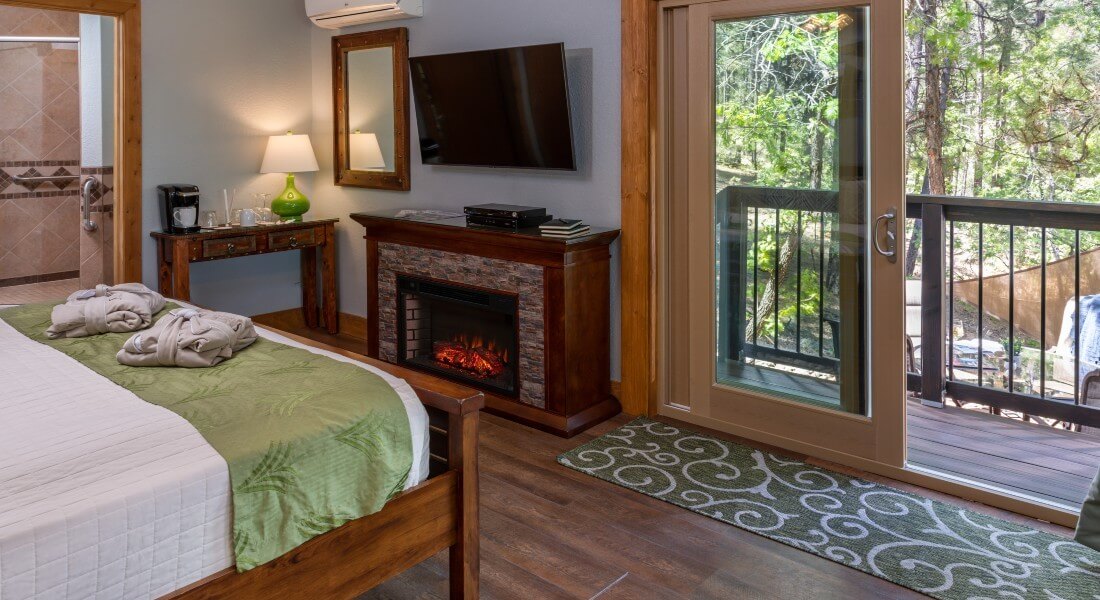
495,108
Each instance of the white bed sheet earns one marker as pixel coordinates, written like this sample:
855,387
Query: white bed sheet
103,495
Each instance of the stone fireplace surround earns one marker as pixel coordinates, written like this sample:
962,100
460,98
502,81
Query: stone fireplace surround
487,273
563,317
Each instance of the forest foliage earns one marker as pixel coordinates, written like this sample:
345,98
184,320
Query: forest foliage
1002,100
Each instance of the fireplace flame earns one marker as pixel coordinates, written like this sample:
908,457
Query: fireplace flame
472,354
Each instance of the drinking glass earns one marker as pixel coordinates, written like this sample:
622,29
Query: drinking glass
209,219
260,205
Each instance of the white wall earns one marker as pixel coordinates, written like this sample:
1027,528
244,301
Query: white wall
590,30
219,77
222,75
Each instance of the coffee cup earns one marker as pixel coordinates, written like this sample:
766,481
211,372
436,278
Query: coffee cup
248,218
187,216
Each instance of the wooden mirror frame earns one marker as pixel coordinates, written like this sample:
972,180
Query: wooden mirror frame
397,39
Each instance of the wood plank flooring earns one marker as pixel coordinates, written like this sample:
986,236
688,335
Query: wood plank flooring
1047,463
550,532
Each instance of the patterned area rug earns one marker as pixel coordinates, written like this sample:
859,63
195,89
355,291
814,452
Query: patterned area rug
939,549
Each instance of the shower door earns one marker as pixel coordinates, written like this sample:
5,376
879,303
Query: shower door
56,133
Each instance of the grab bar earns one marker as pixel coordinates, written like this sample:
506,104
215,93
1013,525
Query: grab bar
86,204
38,39
19,179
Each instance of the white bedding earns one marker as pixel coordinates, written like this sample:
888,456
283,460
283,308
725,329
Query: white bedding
103,495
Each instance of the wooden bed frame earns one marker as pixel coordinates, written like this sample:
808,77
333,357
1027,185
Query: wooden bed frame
440,513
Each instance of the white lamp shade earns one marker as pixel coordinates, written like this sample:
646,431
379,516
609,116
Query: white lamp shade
366,154
289,154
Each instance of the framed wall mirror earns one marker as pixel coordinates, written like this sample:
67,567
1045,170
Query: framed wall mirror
371,94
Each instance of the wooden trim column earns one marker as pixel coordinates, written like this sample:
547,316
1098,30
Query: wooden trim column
128,239
638,277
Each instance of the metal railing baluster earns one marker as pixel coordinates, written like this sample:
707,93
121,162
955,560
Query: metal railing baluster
1043,314
775,283
951,307
821,289
981,305
798,287
1077,316
755,274
1011,308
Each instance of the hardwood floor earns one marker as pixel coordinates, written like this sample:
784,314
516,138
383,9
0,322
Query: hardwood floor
548,532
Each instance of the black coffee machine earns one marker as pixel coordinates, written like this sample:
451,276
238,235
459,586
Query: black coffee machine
179,206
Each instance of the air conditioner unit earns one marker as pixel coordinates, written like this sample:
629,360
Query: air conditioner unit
334,14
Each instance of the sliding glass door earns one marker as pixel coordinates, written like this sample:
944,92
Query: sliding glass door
783,183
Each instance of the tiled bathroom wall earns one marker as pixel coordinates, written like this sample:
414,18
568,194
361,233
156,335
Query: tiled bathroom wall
96,263
39,136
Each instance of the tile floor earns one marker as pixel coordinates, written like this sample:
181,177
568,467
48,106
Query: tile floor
38,292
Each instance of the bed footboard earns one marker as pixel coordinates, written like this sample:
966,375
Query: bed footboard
440,513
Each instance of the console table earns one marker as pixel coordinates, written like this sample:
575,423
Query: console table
176,252
562,290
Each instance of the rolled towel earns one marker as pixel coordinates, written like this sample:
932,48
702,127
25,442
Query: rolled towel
89,313
189,338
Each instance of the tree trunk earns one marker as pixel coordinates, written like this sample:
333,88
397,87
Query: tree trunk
912,251
935,77
770,297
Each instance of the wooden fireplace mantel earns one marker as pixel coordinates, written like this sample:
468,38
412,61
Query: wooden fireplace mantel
576,321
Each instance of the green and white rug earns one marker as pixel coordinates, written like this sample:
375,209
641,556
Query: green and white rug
936,548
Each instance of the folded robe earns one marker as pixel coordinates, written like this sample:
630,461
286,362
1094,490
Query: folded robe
117,309
189,338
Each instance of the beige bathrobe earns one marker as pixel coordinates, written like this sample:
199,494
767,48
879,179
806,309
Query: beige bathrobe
117,309
189,338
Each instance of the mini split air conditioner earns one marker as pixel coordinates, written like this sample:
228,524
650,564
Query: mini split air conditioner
334,14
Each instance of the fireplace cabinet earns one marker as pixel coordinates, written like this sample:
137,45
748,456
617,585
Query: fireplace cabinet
523,318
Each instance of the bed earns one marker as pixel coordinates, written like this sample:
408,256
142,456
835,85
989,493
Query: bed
103,495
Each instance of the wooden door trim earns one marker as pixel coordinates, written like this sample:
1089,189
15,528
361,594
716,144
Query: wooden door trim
127,167
638,258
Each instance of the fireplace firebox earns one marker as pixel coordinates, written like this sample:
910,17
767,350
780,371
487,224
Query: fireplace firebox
466,334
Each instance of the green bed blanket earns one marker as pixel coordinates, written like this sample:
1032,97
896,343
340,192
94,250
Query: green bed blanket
311,442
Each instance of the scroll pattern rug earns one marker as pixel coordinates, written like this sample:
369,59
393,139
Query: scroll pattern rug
929,546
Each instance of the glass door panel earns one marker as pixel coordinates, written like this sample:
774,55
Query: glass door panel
782,139
791,205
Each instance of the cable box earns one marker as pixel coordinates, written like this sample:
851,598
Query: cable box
509,223
506,211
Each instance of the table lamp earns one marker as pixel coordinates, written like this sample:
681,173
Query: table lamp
366,154
290,154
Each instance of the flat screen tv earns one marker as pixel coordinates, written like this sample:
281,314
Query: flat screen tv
495,108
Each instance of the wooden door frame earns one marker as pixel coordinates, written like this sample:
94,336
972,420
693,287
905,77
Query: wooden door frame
640,262
638,253
127,167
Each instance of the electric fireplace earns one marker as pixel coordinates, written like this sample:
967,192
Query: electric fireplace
466,334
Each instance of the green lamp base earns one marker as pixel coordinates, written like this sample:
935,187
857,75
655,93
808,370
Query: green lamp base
291,204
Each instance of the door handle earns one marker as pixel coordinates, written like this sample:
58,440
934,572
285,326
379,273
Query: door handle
891,249
86,204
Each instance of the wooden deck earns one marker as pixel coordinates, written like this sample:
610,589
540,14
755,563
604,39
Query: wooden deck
1043,462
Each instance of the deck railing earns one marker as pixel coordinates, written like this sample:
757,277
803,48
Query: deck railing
765,228
1021,224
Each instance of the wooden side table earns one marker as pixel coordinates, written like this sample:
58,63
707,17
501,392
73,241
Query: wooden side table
176,252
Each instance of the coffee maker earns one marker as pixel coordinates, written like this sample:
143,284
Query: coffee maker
179,205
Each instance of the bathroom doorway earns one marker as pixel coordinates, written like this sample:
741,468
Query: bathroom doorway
56,152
